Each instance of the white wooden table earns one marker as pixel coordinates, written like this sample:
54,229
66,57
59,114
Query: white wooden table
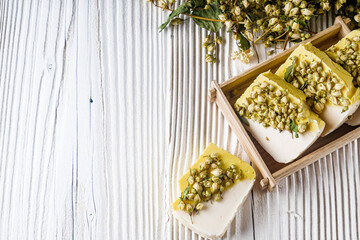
100,114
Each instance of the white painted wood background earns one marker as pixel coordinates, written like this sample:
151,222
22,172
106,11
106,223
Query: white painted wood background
100,114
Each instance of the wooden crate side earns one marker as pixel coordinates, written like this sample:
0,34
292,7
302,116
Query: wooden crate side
344,26
315,155
242,135
223,95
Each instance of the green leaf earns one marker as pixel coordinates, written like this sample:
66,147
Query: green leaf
253,17
244,43
303,23
304,85
198,3
186,192
211,13
294,128
289,71
183,8
243,120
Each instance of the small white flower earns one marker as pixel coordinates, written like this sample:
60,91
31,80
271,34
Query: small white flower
303,4
295,26
272,21
222,17
296,2
229,24
288,6
293,12
237,10
306,12
249,35
209,58
162,4
326,6
245,3
357,18
278,28
243,56
211,47
268,9
295,35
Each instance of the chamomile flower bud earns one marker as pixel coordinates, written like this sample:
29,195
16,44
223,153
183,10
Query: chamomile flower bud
249,35
268,9
189,208
325,6
357,18
223,7
217,197
181,205
303,4
216,172
162,4
197,198
219,40
222,17
288,6
211,47
199,206
209,58
293,12
207,7
229,24
295,26
296,2
236,10
245,3
307,11
278,28
272,21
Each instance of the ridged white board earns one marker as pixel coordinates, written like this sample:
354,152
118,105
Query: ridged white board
100,114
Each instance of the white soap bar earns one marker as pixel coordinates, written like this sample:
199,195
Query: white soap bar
332,114
283,145
213,221
341,46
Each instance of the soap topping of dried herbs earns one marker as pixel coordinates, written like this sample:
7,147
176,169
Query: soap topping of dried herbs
207,183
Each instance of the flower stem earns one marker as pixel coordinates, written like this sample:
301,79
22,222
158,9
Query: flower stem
202,18
264,34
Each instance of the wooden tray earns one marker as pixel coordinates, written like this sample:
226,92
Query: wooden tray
226,93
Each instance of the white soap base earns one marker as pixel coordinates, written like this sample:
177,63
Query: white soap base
283,146
334,118
213,221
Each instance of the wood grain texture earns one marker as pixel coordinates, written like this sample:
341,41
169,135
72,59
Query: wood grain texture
100,114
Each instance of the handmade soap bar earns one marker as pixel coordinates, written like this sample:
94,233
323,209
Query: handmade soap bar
212,191
328,87
278,117
347,53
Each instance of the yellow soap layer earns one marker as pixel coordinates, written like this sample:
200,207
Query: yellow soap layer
309,53
295,95
341,45
227,160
